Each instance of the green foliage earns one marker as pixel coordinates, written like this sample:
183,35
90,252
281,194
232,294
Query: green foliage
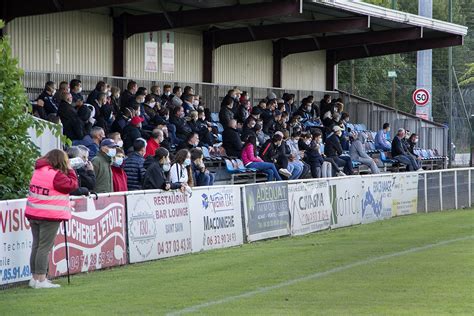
17,152
468,78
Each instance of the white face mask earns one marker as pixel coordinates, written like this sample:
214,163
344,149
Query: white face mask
152,104
187,162
120,143
118,161
54,91
196,102
80,90
307,142
167,93
166,167
112,152
109,93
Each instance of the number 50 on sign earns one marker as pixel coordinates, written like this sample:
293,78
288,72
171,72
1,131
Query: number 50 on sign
421,97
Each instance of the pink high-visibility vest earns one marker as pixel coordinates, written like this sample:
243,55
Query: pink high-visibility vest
44,202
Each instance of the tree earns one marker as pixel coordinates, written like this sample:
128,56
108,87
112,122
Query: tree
17,152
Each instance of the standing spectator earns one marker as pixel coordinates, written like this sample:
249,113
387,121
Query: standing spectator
73,127
400,152
116,138
47,96
381,141
166,96
181,172
358,153
63,87
46,208
151,111
119,177
102,166
103,111
133,165
128,96
122,120
201,176
251,160
115,100
155,176
188,104
84,170
132,132
153,143
226,114
231,140
325,105
75,87
100,87
289,100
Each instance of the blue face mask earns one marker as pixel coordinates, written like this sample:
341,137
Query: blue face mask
112,152
118,161
187,162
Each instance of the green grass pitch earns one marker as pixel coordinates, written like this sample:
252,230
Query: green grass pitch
415,265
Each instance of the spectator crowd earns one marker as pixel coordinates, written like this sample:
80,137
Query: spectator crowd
156,139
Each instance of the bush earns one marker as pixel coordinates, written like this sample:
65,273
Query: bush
17,151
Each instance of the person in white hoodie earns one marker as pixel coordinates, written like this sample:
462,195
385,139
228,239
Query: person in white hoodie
358,153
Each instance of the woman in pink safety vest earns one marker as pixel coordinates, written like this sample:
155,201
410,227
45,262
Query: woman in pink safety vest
46,207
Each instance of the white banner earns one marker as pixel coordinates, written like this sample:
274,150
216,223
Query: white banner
216,218
167,51
345,196
158,225
405,194
151,57
377,195
310,208
16,242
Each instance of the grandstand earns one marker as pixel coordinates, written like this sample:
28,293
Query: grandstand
272,51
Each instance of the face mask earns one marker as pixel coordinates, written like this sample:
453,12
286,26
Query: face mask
307,142
196,102
181,115
80,90
118,161
109,93
54,91
77,163
320,141
112,152
167,117
166,167
120,143
252,125
68,90
141,100
167,93
187,162
152,104
415,140
308,108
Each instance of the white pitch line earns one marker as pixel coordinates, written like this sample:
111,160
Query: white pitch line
313,276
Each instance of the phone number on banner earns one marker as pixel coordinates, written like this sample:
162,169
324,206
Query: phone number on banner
221,239
10,274
174,246
103,258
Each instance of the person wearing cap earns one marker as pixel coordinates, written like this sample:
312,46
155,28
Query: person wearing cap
400,152
102,166
131,132
333,150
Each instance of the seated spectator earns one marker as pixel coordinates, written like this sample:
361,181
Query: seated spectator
298,154
153,143
226,114
273,152
381,141
119,177
73,127
412,143
358,153
151,108
100,87
102,166
251,160
248,129
188,104
103,111
400,152
290,106
63,87
155,176
121,120
333,150
166,96
268,117
84,170
178,120
92,141
231,140
295,166
132,132
201,176
326,106
155,92
232,97
261,137
47,96
133,165
115,100
192,141
242,111
75,88
200,127
181,172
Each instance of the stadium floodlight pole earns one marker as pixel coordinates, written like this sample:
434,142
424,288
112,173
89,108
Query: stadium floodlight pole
450,85
67,253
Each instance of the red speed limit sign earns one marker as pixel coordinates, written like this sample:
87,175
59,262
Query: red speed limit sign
421,97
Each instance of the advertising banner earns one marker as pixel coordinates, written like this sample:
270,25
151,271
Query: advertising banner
216,218
16,241
167,51
377,195
96,237
405,196
151,52
158,225
267,211
310,208
345,196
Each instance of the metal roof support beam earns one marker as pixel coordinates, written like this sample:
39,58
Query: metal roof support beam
277,59
398,47
331,64
207,57
119,44
189,18
274,31
350,40
14,9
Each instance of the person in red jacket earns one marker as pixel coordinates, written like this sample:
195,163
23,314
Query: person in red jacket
119,177
153,143
46,207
